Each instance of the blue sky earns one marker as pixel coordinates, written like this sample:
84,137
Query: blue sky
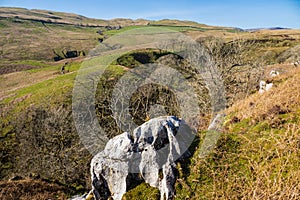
243,14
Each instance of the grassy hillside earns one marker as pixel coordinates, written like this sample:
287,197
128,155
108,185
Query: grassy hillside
257,156
64,18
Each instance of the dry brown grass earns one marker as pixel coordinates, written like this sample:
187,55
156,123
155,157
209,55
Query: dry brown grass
262,167
257,156
31,189
14,81
266,127
283,97
275,34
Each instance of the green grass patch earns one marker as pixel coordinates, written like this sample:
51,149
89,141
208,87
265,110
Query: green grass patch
173,28
142,192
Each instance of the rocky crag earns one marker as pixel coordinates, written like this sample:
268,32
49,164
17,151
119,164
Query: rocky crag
148,153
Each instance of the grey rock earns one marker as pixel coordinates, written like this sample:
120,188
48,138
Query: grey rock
150,149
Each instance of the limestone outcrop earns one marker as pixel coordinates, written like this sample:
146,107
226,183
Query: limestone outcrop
148,153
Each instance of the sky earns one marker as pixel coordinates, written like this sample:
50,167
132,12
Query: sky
233,13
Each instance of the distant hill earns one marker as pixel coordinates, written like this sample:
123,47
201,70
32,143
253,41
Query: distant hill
53,36
53,17
272,28
64,18
79,20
